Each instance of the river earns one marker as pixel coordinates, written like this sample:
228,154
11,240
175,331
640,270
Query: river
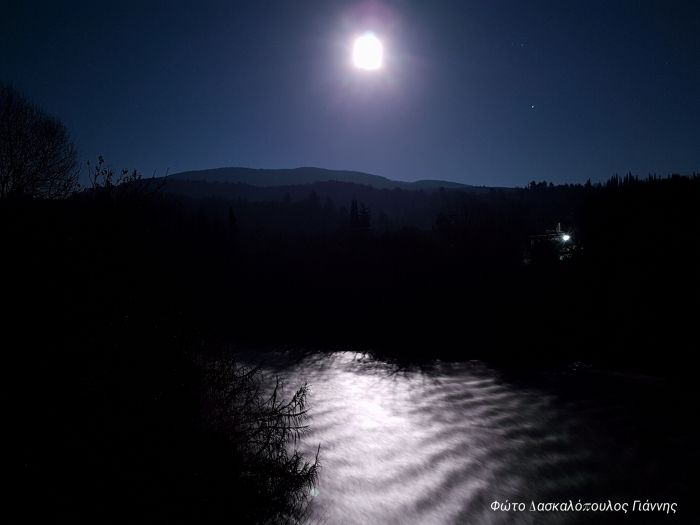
442,442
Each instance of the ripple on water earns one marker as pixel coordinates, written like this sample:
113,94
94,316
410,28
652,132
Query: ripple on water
439,444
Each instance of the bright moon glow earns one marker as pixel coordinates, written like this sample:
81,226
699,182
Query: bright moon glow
367,53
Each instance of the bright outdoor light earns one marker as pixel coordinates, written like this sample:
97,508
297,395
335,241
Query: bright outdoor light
566,237
367,53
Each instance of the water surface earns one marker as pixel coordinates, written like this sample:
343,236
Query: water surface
440,444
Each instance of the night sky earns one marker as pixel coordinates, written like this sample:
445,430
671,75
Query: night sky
481,92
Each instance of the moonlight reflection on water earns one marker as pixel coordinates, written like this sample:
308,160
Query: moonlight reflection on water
440,444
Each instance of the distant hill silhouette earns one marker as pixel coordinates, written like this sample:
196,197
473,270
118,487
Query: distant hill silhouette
306,175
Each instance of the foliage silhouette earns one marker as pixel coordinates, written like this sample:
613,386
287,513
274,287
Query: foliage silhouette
37,157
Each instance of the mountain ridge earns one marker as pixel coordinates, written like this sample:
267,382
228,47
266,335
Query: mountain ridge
264,177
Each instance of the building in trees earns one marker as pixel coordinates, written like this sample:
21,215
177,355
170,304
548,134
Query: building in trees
555,244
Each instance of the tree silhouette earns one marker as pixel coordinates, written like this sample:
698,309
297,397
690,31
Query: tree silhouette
37,157
360,216
354,214
365,217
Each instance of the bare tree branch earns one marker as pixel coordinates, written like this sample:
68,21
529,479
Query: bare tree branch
37,157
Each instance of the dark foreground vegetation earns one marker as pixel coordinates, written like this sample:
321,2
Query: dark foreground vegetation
121,297
121,408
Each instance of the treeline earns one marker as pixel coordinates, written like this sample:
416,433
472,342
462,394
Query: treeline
309,271
326,206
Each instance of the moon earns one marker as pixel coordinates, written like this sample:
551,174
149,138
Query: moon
367,52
